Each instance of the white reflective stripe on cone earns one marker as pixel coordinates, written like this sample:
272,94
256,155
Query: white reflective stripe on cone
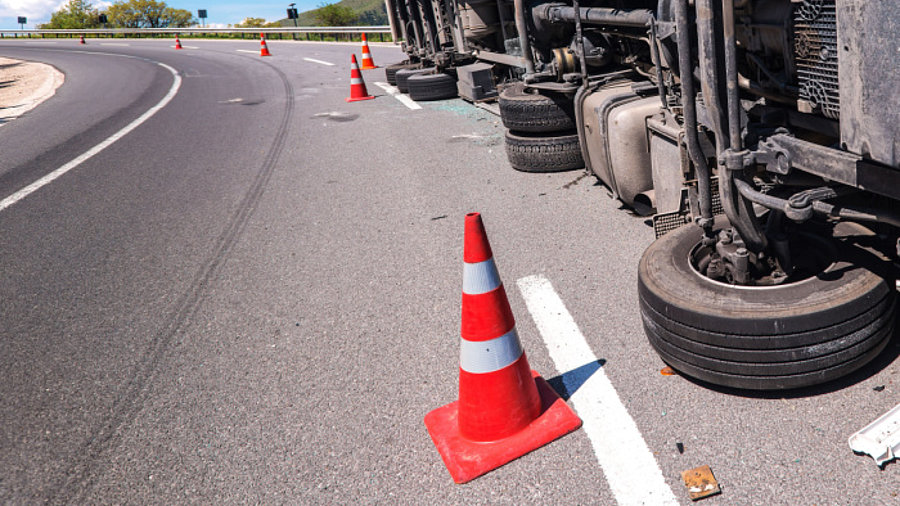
480,277
356,80
481,357
366,56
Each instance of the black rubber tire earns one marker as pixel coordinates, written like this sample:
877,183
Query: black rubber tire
766,338
532,153
431,87
531,111
390,71
402,76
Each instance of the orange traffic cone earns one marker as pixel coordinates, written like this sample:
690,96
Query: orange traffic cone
505,409
358,89
367,62
264,49
178,43
82,40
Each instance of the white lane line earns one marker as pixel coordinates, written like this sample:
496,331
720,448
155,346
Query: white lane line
189,47
114,44
393,91
320,62
49,178
629,466
246,51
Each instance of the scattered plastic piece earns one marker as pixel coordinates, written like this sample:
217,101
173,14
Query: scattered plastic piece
680,447
667,371
700,482
880,439
879,388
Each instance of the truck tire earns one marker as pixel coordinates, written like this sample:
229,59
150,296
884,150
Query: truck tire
390,71
402,76
431,87
533,153
530,111
793,335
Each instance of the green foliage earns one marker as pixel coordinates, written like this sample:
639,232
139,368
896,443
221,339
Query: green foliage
369,12
147,14
76,14
335,15
251,23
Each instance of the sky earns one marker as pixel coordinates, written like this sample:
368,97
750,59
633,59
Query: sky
219,12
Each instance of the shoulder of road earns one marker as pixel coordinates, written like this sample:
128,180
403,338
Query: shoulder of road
24,85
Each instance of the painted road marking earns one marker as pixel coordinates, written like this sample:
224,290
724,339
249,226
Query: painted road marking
393,91
320,62
630,468
49,178
246,51
114,44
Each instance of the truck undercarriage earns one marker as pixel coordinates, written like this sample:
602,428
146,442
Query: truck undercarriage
760,135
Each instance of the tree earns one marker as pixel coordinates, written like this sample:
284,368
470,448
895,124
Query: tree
75,14
251,23
334,15
177,18
148,14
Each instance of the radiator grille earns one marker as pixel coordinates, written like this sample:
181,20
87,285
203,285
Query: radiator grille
815,51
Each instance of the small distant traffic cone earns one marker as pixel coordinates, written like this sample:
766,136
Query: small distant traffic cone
178,43
358,89
264,49
82,40
505,409
367,62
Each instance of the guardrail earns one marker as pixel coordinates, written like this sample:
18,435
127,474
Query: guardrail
320,30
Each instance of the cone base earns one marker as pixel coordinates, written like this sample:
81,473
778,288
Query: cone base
265,54
369,67
467,460
356,99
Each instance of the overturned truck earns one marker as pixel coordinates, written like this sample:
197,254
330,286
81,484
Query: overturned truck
762,136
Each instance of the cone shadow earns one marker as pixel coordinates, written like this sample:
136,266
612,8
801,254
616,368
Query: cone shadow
569,382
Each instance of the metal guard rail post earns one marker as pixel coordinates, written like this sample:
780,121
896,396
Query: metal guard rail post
191,30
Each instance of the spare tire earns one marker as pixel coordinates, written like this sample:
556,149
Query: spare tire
537,153
431,87
529,110
403,76
390,71
792,335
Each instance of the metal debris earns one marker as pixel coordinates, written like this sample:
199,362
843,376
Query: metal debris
700,482
880,439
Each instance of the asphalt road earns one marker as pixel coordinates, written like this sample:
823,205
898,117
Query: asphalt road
254,296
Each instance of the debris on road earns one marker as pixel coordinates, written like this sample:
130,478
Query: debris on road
680,447
700,482
880,439
878,388
667,371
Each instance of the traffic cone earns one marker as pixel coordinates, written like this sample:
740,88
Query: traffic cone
505,409
178,43
358,89
264,49
367,62
82,40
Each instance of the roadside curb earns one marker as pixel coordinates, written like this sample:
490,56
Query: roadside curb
33,83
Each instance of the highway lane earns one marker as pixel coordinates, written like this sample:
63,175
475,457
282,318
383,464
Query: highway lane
203,314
